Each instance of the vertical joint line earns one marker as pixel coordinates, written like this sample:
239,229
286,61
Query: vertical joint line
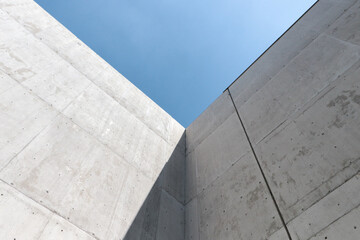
261,170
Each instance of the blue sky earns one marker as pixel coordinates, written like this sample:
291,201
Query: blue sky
182,54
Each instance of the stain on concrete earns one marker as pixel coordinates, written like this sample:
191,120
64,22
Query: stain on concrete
345,108
254,195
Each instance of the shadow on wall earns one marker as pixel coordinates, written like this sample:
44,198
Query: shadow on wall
162,214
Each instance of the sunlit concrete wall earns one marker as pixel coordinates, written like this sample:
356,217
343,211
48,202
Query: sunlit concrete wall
81,148
276,156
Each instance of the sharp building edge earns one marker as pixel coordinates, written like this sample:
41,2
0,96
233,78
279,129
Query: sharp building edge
84,154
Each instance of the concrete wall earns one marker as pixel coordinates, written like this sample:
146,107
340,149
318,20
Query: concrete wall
86,155
276,155
81,148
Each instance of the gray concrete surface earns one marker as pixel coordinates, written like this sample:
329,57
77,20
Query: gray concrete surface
81,147
86,155
299,106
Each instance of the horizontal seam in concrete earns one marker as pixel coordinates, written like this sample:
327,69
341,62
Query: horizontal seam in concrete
27,144
282,68
107,147
347,212
58,113
172,197
220,175
319,95
49,209
261,170
210,133
274,129
299,112
63,115
171,144
331,177
181,204
163,189
317,36
42,230
117,202
341,40
323,197
272,45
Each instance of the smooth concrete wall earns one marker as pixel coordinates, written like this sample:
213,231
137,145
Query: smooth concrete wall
81,148
276,155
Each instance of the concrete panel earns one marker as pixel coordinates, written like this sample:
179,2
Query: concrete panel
145,225
219,151
318,151
64,169
6,82
59,85
33,64
191,221
5,3
232,204
22,117
133,194
62,42
279,235
172,177
65,166
22,55
208,121
347,28
190,177
346,227
310,26
58,229
310,72
140,105
113,125
22,218
171,219
162,214
324,213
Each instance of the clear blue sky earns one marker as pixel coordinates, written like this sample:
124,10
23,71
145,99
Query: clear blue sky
181,53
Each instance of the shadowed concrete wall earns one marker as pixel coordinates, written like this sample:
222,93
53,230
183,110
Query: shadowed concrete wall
276,156
80,146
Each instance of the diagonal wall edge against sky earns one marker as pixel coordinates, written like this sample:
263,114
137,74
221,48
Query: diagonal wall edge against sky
182,54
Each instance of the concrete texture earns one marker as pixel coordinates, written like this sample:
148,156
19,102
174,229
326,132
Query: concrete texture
81,147
296,139
86,155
